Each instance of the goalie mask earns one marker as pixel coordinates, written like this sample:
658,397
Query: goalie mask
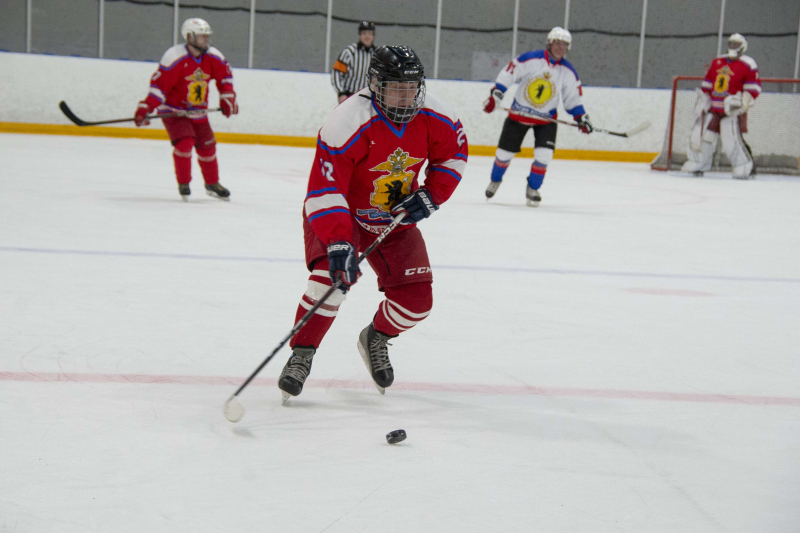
193,27
737,44
397,82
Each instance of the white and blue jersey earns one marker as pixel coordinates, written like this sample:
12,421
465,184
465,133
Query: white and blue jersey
542,81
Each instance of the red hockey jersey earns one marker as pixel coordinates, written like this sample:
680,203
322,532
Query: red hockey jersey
181,81
364,163
726,77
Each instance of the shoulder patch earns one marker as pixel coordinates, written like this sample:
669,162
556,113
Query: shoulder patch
569,66
749,61
173,54
215,52
440,108
347,119
535,54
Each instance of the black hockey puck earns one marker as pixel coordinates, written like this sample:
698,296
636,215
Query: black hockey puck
398,435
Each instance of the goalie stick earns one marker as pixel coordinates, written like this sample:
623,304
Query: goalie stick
630,133
232,409
79,122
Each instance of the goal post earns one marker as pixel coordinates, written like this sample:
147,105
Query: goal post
773,125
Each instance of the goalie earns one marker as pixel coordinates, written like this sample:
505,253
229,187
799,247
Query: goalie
729,89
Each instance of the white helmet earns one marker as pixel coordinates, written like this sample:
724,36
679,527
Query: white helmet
195,26
738,44
560,34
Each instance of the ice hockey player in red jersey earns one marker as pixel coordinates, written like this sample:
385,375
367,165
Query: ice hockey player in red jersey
181,84
729,89
370,154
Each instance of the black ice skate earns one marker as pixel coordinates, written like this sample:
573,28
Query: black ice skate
533,197
296,371
372,346
218,191
492,188
185,191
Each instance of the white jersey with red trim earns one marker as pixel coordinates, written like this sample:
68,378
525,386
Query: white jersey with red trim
365,163
542,81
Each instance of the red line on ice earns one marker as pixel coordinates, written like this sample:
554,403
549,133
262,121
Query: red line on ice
463,388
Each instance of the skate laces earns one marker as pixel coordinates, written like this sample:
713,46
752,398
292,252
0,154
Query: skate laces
379,353
299,367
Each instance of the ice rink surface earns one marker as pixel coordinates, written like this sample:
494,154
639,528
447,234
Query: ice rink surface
623,358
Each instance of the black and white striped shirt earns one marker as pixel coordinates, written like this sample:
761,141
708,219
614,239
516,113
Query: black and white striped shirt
350,72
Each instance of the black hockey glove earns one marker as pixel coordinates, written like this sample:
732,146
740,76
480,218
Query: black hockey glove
417,206
584,124
342,264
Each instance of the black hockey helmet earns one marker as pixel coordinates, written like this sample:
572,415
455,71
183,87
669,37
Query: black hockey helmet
366,25
397,81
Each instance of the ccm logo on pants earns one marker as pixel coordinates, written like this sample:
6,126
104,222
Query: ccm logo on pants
420,270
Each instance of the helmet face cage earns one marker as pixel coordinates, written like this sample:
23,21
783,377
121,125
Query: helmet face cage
397,82
400,101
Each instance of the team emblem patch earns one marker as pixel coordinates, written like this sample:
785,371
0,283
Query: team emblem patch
723,81
540,90
198,88
390,187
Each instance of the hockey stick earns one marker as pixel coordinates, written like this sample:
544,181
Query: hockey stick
630,133
79,122
232,409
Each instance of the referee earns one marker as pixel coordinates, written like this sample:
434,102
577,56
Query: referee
349,73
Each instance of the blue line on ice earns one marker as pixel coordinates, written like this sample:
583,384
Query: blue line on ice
487,268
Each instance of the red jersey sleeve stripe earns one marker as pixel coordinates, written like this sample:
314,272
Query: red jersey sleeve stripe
328,212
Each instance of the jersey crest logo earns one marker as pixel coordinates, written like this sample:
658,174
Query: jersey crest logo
540,90
393,186
723,81
198,88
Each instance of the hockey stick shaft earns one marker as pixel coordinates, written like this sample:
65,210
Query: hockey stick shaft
80,122
638,129
306,317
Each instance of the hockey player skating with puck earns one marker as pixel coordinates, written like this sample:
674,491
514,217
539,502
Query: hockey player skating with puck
181,84
369,155
544,77
729,89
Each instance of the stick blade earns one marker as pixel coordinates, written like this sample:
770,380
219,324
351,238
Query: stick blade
639,129
233,410
69,114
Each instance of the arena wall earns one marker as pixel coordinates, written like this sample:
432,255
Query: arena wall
280,107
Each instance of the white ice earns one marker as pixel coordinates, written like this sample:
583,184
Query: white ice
623,358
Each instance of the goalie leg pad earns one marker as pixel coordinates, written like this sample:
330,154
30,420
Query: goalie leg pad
735,148
702,145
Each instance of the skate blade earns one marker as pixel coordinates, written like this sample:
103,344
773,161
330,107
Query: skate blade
285,397
184,198
532,203
218,197
365,358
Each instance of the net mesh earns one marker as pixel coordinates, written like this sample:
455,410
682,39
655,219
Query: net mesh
772,124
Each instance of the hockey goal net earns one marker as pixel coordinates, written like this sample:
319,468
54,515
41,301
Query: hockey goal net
773,125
